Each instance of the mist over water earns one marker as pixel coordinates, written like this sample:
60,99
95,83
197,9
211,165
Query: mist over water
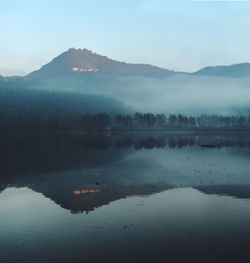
182,93
187,95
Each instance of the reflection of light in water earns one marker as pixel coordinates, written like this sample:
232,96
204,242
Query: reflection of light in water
78,192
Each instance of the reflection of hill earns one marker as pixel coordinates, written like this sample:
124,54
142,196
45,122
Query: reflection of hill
85,190
89,201
239,191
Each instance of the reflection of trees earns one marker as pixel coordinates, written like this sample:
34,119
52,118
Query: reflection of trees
32,154
36,154
150,142
59,142
44,154
182,140
96,141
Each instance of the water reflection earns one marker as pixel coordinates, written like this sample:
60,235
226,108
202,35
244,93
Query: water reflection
35,154
124,197
81,172
238,191
138,141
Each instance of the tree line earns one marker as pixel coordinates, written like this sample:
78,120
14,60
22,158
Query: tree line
124,122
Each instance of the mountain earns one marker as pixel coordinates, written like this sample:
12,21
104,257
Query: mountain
235,71
83,61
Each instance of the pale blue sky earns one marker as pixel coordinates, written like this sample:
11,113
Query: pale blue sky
178,34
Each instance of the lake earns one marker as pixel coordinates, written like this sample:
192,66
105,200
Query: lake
125,197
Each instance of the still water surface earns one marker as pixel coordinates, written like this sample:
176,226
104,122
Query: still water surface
125,198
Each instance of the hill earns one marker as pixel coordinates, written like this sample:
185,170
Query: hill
83,61
235,71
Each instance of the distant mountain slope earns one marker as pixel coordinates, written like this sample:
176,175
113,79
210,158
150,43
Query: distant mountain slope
235,71
83,61
27,103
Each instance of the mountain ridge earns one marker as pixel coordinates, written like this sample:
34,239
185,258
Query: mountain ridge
85,61
234,70
82,62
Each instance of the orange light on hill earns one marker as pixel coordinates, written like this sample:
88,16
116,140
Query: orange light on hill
85,69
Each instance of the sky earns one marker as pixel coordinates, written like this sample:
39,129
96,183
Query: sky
181,35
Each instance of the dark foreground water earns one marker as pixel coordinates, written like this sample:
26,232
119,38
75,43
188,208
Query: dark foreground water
125,198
